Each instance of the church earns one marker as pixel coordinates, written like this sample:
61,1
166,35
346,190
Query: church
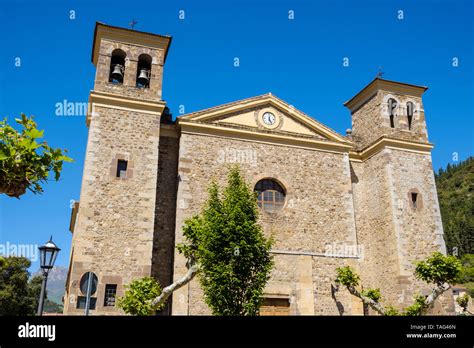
366,199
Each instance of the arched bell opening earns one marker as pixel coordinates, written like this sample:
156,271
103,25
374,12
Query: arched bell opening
117,66
143,71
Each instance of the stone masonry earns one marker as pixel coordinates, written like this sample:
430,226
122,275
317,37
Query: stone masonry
367,199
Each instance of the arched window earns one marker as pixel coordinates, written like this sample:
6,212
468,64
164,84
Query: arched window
117,66
143,71
410,107
392,106
271,195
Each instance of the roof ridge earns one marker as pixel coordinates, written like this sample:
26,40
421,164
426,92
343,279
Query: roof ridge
221,106
334,134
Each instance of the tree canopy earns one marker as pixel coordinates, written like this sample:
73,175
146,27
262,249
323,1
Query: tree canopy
138,296
228,242
18,295
455,187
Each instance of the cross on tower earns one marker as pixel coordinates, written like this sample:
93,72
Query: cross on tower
380,72
132,23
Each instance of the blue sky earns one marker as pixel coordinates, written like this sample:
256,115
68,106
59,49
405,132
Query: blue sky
298,60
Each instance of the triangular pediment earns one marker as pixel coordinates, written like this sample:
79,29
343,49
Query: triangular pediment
264,114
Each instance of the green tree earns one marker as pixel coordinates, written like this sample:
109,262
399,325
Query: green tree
26,163
438,269
18,296
225,246
463,302
467,274
138,296
456,199
230,246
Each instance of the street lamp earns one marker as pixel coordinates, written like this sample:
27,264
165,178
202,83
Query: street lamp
48,254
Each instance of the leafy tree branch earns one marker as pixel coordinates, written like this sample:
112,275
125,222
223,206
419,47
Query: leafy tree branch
25,163
439,270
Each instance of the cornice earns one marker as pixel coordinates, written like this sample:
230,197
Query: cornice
218,111
109,100
385,142
384,85
189,127
129,36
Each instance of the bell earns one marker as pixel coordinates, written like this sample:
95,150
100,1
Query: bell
143,78
117,73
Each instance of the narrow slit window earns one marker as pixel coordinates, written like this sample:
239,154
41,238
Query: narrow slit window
121,169
414,198
409,114
392,106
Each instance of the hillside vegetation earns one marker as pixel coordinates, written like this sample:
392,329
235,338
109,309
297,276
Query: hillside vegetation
455,192
456,199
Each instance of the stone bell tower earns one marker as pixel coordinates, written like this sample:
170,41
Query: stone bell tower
388,108
397,210
113,223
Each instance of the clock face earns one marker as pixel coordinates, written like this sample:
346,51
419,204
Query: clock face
269,119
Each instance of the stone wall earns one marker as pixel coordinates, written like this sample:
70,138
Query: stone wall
371,120
113,236
128,88
374,219
419,230
392,233
367,123
163,240
318,213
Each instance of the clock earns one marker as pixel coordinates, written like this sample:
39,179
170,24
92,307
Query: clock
268,118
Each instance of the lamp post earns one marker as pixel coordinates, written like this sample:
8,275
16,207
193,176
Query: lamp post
48,254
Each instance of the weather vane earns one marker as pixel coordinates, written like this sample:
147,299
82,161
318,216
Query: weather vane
380,72
132,23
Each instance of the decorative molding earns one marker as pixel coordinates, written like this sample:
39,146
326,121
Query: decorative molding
113,101
385,142
379,84
123,35
268,138
211,114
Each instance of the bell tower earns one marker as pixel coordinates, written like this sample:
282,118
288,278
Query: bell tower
113,224
397,209
389,108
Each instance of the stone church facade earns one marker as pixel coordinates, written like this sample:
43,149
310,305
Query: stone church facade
366,199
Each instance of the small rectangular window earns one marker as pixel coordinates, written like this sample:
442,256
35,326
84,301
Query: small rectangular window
81,302
110,292
121,169
414,197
